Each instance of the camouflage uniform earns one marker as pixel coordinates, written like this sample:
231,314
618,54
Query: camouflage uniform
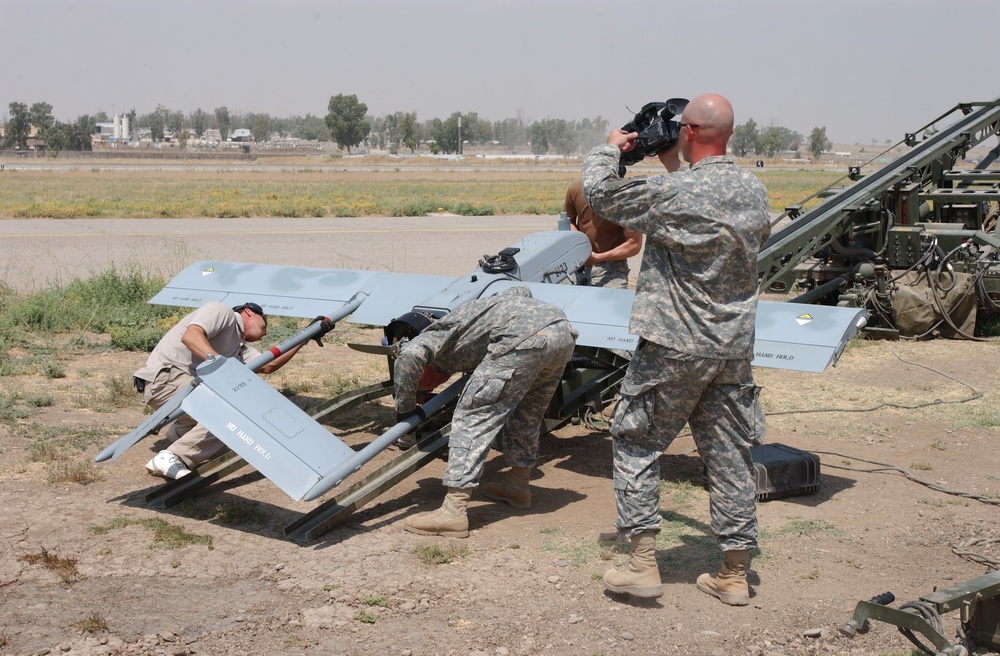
516,348
694,311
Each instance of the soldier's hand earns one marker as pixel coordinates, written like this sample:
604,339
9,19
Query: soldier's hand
325,326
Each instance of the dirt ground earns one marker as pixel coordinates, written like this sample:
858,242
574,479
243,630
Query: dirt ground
82,570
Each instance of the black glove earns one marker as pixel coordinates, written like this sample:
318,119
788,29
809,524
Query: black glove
325,326
403,416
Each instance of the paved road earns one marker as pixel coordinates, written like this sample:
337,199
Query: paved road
35,253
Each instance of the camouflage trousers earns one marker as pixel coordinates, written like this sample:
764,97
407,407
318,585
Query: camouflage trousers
720,402
613,275
507,397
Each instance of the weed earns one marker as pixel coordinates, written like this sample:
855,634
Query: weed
92,624
9,410
804,528
576,552
82,472
680,494
39,400
377,600
552,530
296,641
229,513
49,444
165,535
64,567
366,616
53,370
922,466
432,554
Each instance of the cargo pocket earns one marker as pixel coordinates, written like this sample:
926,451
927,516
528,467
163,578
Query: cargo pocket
487,389
633,418
748,402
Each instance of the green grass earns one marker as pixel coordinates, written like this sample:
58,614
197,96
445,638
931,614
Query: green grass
313,193
434,554
113,303
229,513
165,534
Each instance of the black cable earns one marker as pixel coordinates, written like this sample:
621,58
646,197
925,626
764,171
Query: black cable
929,613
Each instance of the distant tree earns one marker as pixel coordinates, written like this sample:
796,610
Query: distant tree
174,121
590,133
346,120
511,133
260,127
538,137
390,130
222,118
312,128
745,139
445,133
408,130
80,133
476,130
775,139
818,142
18,127
57,137
199,120
156,122
41,118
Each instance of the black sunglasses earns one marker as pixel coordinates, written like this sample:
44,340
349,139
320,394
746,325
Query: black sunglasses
253,307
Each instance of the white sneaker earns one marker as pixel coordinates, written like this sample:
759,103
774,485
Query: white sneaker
167,465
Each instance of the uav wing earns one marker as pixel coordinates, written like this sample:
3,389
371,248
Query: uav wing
789,335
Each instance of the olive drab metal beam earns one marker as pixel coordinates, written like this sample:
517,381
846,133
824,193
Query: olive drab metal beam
856,213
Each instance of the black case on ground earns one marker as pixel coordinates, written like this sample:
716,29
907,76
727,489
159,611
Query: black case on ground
784,471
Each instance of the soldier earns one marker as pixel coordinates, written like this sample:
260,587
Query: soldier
213,329
517,348
694,311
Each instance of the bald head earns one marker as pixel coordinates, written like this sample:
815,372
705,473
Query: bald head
710,121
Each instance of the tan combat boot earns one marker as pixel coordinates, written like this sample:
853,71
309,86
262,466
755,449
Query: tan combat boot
511,488
730,584
641,578
449,521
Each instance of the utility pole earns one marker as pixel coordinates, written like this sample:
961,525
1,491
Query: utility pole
459,134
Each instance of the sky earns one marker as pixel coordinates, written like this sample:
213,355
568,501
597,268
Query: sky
866,70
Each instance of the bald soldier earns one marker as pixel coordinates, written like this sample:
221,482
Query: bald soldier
695,310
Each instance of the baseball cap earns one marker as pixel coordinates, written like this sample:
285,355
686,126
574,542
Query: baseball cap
253,307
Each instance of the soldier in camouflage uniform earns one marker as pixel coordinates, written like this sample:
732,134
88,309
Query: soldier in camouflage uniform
694,312
517,348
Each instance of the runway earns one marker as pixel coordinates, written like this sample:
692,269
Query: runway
38,253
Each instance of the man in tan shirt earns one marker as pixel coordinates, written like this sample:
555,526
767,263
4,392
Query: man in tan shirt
212,330
611,244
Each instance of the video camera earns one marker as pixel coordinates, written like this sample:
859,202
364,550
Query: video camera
656,131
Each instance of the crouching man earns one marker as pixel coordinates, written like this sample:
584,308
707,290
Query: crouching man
212,330
517,348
